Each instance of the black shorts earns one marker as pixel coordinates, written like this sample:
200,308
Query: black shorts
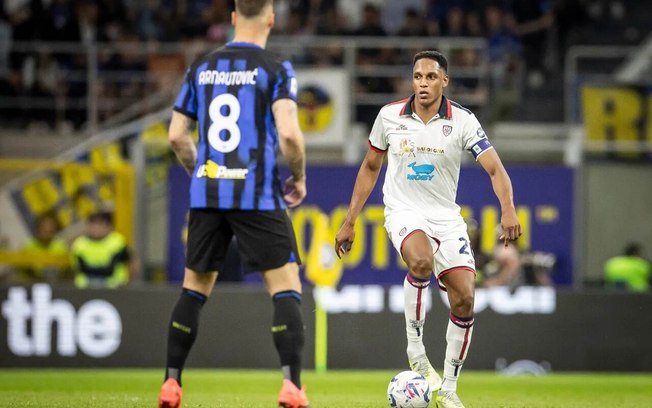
265,239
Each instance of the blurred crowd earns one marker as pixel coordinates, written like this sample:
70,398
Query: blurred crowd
526,39
98,257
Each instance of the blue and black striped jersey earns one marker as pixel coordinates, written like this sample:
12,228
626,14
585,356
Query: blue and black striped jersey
230,92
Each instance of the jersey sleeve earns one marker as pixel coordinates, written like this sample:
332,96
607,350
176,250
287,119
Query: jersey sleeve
286,85
377,138
475,139
186,102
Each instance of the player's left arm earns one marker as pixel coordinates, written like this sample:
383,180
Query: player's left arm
502,186
180,137
293,149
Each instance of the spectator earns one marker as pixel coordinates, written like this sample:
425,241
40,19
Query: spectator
534,20
371,22
329,23
538,268
154,21
45,242
438,14
505,268
218,20
393,9
506,63
455,23
371,26
101,257
629,271
482,259
8,76
414,25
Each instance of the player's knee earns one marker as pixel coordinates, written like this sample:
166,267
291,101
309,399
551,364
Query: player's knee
421,267
201,282
462,305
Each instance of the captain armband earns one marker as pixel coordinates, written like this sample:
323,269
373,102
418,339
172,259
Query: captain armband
480,147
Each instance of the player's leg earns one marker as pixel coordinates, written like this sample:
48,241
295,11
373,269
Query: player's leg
184,323
460,287
456,272
284,287
417,252
267,243
182,332
208,238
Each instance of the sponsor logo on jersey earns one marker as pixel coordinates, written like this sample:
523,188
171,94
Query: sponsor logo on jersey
402,231
422,172
401,127
407,147
430,150
447,130
215,171
214,77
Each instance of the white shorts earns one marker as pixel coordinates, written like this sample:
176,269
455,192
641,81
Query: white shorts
449,239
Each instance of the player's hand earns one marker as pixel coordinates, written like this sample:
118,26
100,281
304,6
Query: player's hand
511,227
294,191
344,239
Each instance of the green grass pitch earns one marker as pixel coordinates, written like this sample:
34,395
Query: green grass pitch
343,389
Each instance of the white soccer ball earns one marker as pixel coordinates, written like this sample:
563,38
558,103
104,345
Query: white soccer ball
409,389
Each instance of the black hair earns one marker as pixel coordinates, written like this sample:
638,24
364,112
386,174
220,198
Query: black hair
433,55
633,249
101,216
251,8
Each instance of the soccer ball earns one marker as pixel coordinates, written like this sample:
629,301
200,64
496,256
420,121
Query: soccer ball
409,390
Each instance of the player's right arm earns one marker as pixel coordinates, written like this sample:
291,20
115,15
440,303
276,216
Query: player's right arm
364,184
292,147
180,137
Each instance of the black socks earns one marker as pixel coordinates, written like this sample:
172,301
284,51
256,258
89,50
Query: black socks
183,331
288,333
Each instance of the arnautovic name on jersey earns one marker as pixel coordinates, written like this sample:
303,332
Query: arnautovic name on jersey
214,77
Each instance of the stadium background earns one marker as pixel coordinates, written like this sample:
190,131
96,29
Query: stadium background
86,93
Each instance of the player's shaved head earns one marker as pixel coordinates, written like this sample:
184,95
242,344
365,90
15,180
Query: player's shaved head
251,8
433,55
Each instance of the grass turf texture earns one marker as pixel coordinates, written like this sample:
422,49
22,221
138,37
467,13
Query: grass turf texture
348,389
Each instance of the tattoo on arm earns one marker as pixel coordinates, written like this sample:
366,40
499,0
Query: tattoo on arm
293,148
185,149
191,125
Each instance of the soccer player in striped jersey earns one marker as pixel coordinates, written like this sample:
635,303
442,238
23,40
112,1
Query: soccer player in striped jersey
423,138
243,100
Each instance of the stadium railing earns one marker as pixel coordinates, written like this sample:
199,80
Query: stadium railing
95,86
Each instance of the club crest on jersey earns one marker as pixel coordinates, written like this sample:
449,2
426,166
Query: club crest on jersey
447,129
422,172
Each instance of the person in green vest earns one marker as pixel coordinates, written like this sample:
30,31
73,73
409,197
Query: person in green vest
101,257
629,271
45,242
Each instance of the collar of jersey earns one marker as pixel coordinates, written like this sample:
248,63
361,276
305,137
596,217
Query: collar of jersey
445,110
241,44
